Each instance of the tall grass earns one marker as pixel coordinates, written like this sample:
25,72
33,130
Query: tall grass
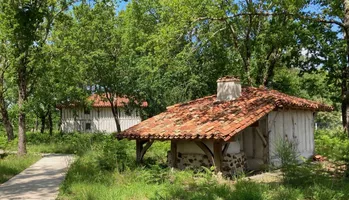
106,169
10,165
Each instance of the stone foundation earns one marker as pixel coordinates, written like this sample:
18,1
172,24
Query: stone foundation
232,163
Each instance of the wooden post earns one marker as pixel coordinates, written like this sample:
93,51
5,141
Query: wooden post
173,154
254,143
217,153
141,150
139,147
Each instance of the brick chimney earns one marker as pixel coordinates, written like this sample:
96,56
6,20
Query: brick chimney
228,88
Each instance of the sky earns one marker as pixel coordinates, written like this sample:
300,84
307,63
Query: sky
122,5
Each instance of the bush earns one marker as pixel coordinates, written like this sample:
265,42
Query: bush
114,155
287,152
333,143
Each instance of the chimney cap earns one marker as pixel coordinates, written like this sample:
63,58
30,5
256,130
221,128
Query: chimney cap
228,79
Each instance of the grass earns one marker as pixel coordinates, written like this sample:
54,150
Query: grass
10,165
105,169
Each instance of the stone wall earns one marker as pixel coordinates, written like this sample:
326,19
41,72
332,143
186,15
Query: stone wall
232,163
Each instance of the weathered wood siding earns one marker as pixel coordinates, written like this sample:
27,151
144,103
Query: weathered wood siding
253,146
100,120
291,125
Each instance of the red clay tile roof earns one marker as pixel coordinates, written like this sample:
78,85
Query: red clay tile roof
205,118
99,101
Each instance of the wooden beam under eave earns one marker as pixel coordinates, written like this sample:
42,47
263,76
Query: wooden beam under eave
145,148
217,155
225,149
174,154
206,150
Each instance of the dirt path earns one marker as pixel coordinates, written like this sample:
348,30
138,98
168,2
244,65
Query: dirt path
266,177
39,181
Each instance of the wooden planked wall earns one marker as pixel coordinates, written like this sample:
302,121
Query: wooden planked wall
292,125
256,153
101,120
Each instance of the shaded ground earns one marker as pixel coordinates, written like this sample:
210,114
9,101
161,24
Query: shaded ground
39,181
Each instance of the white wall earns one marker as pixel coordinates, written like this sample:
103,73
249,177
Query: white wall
297,126
101,120
189,147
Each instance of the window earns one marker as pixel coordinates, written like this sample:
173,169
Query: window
86,111
88,126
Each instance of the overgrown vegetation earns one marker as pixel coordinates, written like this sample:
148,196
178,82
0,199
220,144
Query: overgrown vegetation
332,143
106,169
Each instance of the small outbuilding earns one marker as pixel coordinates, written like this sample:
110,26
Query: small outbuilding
237,129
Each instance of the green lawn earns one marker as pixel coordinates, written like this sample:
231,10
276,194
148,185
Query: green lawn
10,165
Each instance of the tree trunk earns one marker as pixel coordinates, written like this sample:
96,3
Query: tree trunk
114,109
60,120
3,109
345,71
43,119
7,122
22,97
50,124
36,123
6,119
116,117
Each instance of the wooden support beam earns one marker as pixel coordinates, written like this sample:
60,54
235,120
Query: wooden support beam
225,149
254,143
261,136
141,150
139,147
217,153
174,154
145,148
206,150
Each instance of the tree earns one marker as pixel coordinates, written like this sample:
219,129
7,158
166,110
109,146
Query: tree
4,67
94,31
26,26
180,48
318,27
325,40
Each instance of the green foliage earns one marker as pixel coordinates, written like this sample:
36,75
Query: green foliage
332,143
114,155
286,151
106,169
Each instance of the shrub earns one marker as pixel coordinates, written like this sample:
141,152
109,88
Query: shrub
332,143
114,155
287,152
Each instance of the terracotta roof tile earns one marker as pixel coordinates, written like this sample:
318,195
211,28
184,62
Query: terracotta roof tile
206,118
101,101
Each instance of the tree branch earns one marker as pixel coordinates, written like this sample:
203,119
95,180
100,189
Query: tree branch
299,16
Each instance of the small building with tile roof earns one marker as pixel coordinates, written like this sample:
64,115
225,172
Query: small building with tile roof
237,129
98,117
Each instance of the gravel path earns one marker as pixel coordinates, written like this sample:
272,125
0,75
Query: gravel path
39,181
